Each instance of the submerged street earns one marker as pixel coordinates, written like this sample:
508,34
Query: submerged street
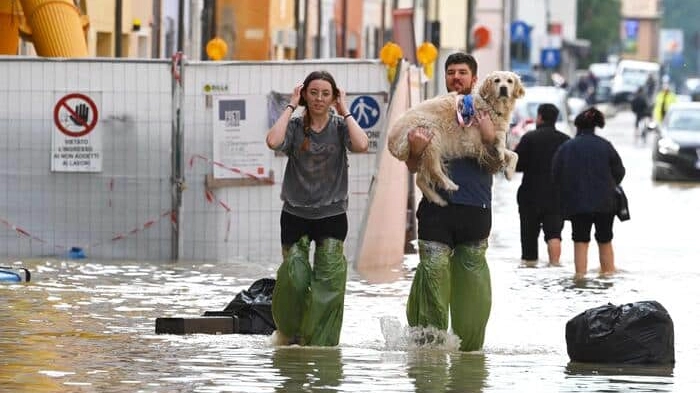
88,326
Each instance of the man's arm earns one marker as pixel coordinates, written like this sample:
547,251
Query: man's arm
418,140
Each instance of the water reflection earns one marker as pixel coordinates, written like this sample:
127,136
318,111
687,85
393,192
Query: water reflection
639,378
308,368
576,368
436,371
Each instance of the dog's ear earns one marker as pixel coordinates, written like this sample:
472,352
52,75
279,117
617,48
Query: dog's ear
486,89
519,89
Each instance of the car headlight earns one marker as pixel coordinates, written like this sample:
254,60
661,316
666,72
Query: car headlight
668,146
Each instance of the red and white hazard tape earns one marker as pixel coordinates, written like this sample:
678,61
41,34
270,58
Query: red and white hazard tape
249,175
176,66
143,227
211,198
20,231
23,233
209,195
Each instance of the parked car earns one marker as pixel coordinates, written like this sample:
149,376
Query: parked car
525,112
691,87
631,75
676,149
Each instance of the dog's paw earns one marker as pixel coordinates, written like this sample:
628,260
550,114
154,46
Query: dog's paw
509,170
440,202
510,165
449,185
509,173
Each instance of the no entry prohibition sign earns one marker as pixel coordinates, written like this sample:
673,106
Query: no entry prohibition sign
75,115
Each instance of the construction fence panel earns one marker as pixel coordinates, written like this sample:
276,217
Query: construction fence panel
85,158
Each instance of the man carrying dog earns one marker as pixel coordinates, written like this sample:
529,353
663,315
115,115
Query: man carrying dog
537,203
452,278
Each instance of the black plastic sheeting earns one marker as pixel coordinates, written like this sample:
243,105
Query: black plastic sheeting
253,307
633,333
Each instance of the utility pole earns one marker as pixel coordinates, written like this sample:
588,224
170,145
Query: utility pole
155,30
301,32
118,28
180,25
507,20
548,22
469,45
197,46
319,22
344,38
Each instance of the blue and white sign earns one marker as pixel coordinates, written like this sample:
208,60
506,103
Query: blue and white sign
631,28
366,111
550,57
519,31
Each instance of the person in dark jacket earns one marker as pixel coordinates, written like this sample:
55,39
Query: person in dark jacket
585,171
640,107
536,199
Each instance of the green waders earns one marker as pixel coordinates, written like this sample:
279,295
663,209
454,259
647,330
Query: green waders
292,289
324,312
428,301
307,304
470,300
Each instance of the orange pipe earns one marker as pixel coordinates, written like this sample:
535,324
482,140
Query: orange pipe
57,29
10,17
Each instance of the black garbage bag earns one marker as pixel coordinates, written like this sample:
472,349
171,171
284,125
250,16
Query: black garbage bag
633,333
253,307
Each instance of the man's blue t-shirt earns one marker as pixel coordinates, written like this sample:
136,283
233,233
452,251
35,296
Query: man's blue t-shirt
474,183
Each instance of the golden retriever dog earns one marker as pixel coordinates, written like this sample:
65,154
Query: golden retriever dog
455,136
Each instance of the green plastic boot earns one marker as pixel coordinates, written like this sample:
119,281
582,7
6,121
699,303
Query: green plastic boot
324,313
291,291
428,301
470,304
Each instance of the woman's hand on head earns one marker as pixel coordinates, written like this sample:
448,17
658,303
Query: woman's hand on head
340,106
296,95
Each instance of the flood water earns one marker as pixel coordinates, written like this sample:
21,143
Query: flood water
87,326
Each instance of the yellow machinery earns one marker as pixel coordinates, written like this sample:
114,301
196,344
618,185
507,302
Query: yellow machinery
55,27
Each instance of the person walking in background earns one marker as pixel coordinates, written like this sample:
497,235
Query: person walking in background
592,88
650,86
664,98
453,275
585,171
640,107
537,205
307,302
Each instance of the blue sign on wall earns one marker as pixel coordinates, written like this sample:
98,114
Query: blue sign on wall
519,31
631,28
550,57
365,110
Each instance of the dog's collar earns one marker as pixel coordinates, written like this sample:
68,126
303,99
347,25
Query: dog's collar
467,109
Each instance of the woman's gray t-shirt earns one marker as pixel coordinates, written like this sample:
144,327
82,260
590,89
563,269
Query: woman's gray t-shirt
316,180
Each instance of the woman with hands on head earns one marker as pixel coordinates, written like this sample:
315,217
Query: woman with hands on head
307,302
